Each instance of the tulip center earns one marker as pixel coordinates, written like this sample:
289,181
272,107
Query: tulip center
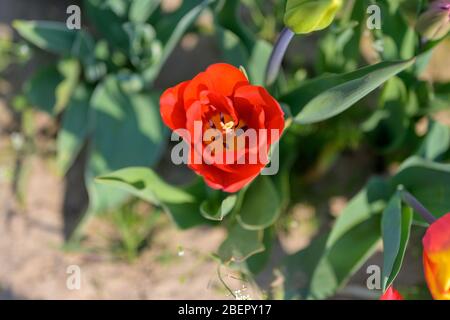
228,129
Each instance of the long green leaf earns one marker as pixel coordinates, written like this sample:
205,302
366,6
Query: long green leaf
396,228
329,96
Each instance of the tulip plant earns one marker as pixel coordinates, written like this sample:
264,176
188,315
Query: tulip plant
260,127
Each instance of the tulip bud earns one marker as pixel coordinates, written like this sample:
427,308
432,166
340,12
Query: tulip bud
436,258
305,16
391,294
434,23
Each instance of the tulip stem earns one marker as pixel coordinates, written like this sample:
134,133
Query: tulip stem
412,201
276,58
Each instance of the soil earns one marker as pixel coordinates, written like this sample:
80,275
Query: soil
33,264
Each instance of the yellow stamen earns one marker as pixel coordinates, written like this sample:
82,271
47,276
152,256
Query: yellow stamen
227,127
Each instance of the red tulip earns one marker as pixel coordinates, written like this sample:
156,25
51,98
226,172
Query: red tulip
436,258
222,101
391,294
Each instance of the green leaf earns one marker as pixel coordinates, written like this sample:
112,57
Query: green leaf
428,181
329,261
369,201
51,88
228,17
437,141
256,263
387,128
396,228
180,203
145,184
176,32
74,129
260,206
216,209
329,96
70,70
258,60
108,21
241,244
41,88
127,132
344,257
141,10
56,38
231,47
128,128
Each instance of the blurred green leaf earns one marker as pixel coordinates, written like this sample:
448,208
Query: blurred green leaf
260,206
396,228
228,16
74,129
329,96
141,10
40,89
108,21
437,141
388,125
178,27
241,244
258,60
51,88
231,47
57,38
127,132
70,70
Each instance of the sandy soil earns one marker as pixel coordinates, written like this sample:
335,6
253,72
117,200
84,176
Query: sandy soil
33,265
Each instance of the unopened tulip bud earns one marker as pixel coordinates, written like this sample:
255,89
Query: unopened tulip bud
434,23
305,16
436,258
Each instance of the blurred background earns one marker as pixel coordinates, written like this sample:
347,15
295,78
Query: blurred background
132,250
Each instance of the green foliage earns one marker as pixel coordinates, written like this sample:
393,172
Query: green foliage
101,92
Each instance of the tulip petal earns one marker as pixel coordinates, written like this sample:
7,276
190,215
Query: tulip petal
220,78
171,107
436,258
260,99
